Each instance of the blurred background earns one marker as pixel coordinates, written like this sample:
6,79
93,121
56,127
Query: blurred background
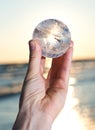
17,22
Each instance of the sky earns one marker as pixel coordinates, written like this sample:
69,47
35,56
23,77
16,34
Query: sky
18,18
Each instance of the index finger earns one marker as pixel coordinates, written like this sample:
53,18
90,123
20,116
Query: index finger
66,65
61,66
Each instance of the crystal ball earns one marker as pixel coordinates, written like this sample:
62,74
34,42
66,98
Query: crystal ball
54,36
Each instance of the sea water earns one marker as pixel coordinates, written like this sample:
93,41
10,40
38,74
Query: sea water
79,110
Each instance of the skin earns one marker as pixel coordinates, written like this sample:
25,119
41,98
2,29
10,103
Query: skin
42,99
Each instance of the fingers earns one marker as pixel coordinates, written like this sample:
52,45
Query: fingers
66,64
61,65
34,58
43,59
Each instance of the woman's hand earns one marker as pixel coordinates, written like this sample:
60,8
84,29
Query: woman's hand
42,99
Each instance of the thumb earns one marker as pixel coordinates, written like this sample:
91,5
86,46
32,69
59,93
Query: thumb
34,58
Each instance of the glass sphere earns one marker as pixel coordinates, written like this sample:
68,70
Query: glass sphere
54,36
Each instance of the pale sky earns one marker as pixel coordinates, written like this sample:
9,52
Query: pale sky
18,18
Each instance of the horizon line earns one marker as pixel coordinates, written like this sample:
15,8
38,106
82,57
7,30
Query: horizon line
26,62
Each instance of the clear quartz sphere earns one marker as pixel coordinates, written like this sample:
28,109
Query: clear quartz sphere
55,37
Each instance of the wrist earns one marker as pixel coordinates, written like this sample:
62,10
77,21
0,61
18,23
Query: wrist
41,122
33,121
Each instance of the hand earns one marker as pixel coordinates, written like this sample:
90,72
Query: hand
42,99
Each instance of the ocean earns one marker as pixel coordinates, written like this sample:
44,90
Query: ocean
79,110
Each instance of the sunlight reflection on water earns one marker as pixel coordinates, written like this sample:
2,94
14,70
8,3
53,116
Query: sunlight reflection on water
79,109
68,118
72,116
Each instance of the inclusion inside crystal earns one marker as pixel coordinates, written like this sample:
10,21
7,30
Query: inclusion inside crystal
55,37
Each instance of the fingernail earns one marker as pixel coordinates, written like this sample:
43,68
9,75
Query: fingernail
32,44
71,44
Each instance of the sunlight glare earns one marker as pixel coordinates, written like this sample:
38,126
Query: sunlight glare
72,81
68,118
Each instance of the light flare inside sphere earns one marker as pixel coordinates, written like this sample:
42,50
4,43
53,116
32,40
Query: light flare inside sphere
54,36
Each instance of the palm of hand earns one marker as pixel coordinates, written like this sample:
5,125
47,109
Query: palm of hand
46,95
